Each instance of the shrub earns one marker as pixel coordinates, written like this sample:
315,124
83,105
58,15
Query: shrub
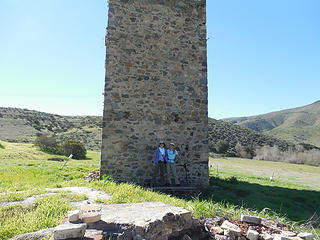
230,153
76,148
47,143
1,146
250,151
222,146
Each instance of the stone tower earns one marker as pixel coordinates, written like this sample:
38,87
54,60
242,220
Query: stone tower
155,88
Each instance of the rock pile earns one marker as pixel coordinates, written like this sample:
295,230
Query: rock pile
252,228
138,221
94,175
75,226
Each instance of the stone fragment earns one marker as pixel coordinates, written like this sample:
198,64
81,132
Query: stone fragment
288,234
281,237
252,234
221,237
186,237
41,234
216,230
73,216
90,217
90,213
69,230
229,234
267,236
306,236
251,219
232,227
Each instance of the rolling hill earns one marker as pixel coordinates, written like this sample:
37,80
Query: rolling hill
224,131
296,125
23,125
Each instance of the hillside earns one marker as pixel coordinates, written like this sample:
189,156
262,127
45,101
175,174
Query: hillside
23,125
233,134
297,125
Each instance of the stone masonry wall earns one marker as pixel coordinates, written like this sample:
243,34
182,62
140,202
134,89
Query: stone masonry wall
155,88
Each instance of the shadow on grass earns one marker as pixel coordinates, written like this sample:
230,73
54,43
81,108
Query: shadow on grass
297,205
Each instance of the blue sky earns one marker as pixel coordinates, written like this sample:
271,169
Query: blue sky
263,55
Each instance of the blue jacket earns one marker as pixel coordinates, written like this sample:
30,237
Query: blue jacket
157,155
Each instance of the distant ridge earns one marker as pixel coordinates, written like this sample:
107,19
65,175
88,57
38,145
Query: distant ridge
224,131
301,124
23,125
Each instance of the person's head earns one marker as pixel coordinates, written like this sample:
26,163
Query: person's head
171,146
161,144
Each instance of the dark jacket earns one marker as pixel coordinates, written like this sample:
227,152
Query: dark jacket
157,155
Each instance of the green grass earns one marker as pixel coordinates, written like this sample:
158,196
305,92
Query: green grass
45,213
293,192
25,171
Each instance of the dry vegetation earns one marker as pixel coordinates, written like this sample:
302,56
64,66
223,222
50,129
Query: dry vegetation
310,157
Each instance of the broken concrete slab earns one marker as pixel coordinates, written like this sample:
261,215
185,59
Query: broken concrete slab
92,194
149,220
27,202
69,230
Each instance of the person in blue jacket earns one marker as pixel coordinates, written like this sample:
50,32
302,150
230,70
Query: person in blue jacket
159,162
171,165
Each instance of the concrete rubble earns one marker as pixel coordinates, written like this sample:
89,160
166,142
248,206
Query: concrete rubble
137,221
160,221
252,228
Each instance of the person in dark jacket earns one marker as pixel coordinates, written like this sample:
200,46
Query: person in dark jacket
159,164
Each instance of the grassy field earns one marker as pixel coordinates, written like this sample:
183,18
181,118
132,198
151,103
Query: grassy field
294,190
25,171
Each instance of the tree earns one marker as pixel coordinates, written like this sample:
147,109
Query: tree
222,146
